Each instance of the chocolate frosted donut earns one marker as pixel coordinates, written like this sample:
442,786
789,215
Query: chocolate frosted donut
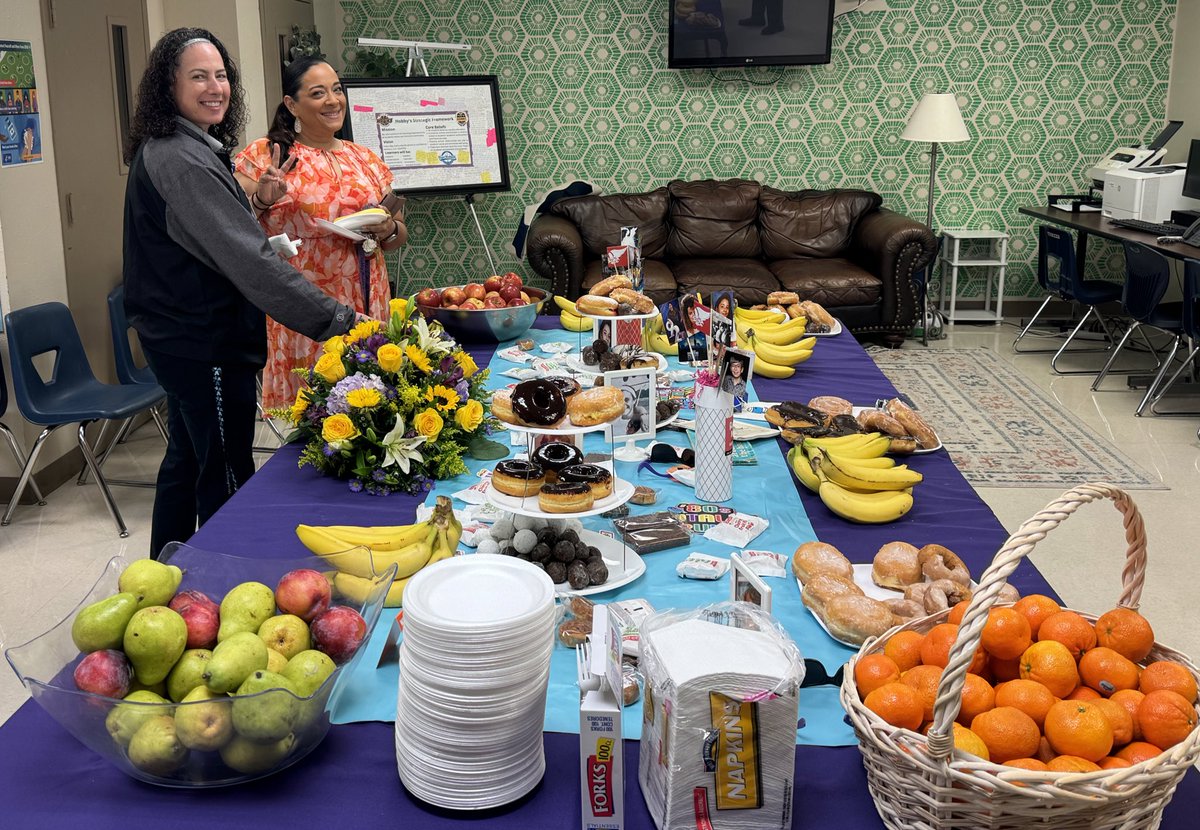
538,403
565,498
518,478
595,477
568,386
556,455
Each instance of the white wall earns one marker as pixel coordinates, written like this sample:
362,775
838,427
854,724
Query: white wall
1183,98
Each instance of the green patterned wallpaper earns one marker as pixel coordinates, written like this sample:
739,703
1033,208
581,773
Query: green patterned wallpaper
1046,87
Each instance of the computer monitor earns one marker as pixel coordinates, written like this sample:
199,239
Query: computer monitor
1191,179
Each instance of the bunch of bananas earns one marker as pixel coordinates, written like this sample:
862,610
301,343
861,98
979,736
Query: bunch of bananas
654,337
365,551
570,317
854,478
779,343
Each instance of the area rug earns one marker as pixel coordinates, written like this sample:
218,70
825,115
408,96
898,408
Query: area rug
1001,429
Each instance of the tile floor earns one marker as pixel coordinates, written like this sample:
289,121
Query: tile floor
50,555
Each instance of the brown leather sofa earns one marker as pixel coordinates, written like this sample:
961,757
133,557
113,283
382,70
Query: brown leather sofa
837,247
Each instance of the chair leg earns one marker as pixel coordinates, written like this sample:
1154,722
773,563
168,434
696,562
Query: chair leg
1158,379
27,472
160,422
19,455
90,460
1064,350
1113,357
83,474
1029,325
1161,391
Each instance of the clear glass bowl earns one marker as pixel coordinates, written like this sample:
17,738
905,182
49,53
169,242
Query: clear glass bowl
46,666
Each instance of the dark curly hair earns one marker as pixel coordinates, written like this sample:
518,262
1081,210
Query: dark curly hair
283,130
156,110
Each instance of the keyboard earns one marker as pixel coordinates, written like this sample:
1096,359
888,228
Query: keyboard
1156,228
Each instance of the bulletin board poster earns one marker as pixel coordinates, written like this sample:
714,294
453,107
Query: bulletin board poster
436,135
20,121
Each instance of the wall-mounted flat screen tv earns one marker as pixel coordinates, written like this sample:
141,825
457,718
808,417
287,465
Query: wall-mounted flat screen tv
713,33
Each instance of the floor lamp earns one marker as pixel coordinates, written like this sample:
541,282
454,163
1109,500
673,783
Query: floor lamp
936,120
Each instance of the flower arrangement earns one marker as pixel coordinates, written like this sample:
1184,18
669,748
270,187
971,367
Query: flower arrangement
393,407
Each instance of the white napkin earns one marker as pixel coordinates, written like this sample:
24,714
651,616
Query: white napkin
284,246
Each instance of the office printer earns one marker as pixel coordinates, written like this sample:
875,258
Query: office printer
1146,193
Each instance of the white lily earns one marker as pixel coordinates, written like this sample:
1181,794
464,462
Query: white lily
400,450
429,341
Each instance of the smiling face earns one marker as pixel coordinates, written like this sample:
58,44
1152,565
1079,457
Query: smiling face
735,368
201,87
320,103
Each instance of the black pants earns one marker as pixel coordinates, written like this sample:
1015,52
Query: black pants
768,11
210,416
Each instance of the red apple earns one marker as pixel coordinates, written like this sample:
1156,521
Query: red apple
338,632
474,289
429,297
303,592
472,302
516,303
490,294
494,302
453,295
513,275
203,622
510,292
106,672
185,598
449,306
493,283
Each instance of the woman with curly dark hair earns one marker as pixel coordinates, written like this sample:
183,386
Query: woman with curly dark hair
199,275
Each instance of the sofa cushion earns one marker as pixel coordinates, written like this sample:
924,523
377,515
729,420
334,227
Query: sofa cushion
811,223
658,282
713,219
750,279
831,282
600,219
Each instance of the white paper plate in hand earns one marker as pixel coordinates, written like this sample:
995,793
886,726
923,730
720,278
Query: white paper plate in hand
362,219
339,230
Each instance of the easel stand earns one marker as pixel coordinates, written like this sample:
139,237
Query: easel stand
470,200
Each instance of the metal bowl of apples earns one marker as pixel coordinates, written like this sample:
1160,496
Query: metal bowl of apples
202,669
499,308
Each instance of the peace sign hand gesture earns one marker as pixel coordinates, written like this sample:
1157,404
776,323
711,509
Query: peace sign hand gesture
272,186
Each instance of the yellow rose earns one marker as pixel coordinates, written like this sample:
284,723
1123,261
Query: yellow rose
364,330
466,363
363,398
398,306
335,345
338,428
469,416
390,357
300,406
428,423
329,366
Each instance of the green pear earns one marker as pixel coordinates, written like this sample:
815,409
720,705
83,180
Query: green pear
275,661
308,670
152,582
204,721
102,624
245,608
286,633
250,758
265,707
234,660
154,639
126,718
155,747
159,688
187,673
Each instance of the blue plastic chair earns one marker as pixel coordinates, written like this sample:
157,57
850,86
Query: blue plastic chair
14,445
1189,328
71,395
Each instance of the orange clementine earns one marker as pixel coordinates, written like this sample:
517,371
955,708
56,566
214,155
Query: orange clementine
969,742
873,671
897,704
924,680
977,697
956,613
1004,670
1035,608
1138,751
1126,632
1131,699
1032,764
1070,629
1006,634
935,651
1108,671
1045,752
1079,727
1071,763
1118,718
1009,733
904,647
1112,762
1050,663
1029,696
1166,718
1082,692
1164,674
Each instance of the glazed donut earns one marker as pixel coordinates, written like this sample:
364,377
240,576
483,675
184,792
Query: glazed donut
597,478
903,445
814,558
913,423
938,562
518,478
853,619
538,403
606,287
597,306
832,405
640,302
565,498
819,590
876,420
502,406
568,386
554,456
1008,594
896,565
784,298
597,405
905,609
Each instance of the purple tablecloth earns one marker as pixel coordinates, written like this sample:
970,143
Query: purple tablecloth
48,780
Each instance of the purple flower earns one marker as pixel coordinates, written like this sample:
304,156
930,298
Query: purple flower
378,475
336,402
375,341
356,486
461,389
447,364
364,356
328,450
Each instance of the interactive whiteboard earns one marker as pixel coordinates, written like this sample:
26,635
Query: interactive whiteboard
437,135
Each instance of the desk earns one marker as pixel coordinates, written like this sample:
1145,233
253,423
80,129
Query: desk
1094,223
48,780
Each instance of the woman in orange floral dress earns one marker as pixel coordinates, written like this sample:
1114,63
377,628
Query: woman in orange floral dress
302,172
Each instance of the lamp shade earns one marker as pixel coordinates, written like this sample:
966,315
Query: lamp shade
936,118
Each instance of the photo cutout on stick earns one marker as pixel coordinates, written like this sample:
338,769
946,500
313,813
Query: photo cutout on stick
637,421
697,322
735,372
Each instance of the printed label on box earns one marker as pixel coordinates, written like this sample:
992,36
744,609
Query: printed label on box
737,777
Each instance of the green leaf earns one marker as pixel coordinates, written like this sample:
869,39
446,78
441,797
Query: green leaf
483,449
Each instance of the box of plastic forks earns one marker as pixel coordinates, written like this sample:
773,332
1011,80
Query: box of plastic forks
601,751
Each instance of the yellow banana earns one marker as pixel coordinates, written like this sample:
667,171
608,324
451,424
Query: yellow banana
380,538
357,590
772,370
789,324
566,305
757,315
802,467
783,356
878,462
866,508
873,447
571,322
842,441
844,472
364,561
658,342
775,335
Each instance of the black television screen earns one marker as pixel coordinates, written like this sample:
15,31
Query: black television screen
707,33
1191,179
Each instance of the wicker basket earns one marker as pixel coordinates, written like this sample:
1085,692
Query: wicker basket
922,782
